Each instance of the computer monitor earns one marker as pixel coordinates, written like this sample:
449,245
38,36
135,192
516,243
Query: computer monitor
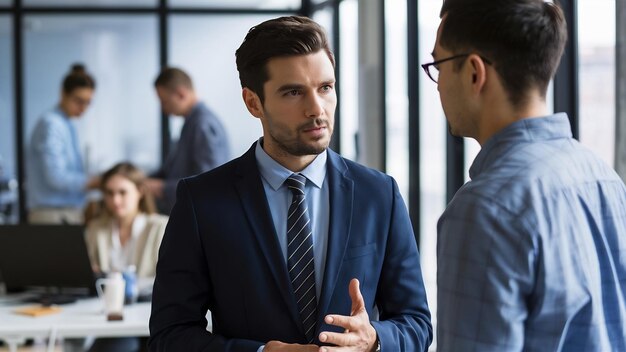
52,257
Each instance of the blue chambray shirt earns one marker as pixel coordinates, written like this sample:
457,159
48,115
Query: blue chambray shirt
55,174
531,252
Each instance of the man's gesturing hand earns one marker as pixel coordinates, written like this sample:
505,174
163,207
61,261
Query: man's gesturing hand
359,334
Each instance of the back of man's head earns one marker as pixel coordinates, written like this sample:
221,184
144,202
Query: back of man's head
524,39
278,37
172,78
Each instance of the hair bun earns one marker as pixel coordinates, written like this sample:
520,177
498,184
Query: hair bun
78,68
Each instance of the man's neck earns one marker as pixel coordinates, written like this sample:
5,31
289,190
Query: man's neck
499,116
193,101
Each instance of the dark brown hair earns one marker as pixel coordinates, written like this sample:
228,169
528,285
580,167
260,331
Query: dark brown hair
279,37
136,176
524,39
77,78
172,77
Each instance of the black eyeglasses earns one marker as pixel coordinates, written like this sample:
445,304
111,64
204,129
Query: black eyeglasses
432,68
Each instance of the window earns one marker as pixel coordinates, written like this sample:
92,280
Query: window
324,17
349,77
211,65
596,67
91,3
248,4
433,132
120,51
396,100
8,194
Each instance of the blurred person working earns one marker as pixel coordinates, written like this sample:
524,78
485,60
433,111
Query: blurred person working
530,253
125,237
57,182
290,246
203,143
128,232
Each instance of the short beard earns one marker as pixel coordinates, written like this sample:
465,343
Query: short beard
302,149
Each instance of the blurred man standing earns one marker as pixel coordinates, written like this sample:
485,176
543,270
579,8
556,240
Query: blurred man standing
203,143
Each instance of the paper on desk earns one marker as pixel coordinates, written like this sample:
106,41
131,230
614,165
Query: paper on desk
37,311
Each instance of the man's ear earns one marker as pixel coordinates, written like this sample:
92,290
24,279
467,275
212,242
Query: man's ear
479,72
253,102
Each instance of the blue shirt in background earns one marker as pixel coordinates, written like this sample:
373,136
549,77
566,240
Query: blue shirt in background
531,252
55,175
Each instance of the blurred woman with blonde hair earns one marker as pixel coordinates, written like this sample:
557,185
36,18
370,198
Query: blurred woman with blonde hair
128,231
125,235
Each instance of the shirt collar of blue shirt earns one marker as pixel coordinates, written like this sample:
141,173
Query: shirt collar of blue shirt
60,111
194,111
525,130
276,174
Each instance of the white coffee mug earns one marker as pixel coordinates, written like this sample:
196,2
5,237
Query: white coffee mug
113,294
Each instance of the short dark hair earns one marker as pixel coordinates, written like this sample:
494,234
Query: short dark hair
172,77
279,37
524,39
77,78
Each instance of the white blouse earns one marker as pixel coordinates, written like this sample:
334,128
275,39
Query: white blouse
123,256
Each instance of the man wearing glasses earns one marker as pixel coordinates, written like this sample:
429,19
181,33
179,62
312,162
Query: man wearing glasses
531,250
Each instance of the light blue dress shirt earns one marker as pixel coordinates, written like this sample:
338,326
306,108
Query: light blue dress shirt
279,198
55,175
531,252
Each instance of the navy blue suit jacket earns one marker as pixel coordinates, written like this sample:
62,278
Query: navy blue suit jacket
220,252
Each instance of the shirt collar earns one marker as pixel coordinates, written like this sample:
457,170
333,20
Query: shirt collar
60,111
275,174
193,111
526,130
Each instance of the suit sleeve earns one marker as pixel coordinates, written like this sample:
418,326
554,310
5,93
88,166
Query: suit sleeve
182,290
404,323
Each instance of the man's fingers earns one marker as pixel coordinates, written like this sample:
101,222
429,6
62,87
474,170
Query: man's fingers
348,323
358,304
339,339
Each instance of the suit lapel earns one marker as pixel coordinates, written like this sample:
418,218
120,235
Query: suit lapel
254,202
341,194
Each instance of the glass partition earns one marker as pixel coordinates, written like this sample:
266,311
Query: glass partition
211,65
596,67
121,52
247,4
91,3
433,132
8,164
348,80
396,100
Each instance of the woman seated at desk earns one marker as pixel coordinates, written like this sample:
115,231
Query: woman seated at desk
126,234
128,231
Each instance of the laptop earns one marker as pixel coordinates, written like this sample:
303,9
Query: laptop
50,258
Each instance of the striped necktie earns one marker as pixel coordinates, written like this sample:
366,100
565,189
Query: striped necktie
300,254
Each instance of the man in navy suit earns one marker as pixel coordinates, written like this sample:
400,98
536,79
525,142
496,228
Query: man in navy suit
344,276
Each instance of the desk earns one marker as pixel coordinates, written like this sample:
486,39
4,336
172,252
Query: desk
81,319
